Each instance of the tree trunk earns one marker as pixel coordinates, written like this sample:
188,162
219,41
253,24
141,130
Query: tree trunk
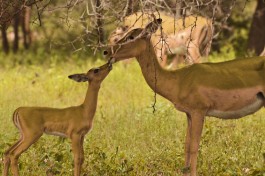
4,40
25,24
16,36
99,23
128,8
256,39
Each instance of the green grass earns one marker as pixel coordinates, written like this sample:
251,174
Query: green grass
127,138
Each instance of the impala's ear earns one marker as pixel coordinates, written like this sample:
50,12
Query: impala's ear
122,29
263,52
152,27
79,77
130,35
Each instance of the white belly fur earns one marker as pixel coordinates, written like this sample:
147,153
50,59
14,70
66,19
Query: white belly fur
55,133
255,106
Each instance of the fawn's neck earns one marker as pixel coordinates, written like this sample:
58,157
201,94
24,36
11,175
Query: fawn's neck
90,102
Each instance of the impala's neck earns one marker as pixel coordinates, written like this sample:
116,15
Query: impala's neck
160,80
90,103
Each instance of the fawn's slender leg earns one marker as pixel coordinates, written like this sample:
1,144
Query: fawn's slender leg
78,151
22,146
7,157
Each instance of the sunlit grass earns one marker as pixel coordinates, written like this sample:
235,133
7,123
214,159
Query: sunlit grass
127,138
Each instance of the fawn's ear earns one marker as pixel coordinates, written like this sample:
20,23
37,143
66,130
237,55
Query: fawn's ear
79,77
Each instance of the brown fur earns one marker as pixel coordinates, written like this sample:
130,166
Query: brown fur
72,122
226,90
188,40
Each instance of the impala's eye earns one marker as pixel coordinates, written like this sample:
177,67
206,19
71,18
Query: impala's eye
96,70
131,37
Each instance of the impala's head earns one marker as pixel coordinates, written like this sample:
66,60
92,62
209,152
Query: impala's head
93,75
132,43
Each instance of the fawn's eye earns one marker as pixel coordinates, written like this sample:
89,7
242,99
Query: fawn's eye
96,70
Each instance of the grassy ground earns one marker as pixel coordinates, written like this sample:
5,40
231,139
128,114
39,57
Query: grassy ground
127,138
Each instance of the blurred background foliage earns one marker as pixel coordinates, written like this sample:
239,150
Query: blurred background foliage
66,39
82,26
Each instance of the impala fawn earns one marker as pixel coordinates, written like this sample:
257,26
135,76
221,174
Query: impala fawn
73,122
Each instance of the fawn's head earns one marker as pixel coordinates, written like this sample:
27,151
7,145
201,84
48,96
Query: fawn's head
133,43
93,75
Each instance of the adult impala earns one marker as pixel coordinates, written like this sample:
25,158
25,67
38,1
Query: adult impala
72,122
225,90
188,37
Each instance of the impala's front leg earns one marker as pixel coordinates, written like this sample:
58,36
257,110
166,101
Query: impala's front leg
197,120
187,145
78,151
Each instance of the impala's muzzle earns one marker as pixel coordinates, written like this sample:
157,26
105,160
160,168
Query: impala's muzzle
109,53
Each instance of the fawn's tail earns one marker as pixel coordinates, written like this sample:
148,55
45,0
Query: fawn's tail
16,118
